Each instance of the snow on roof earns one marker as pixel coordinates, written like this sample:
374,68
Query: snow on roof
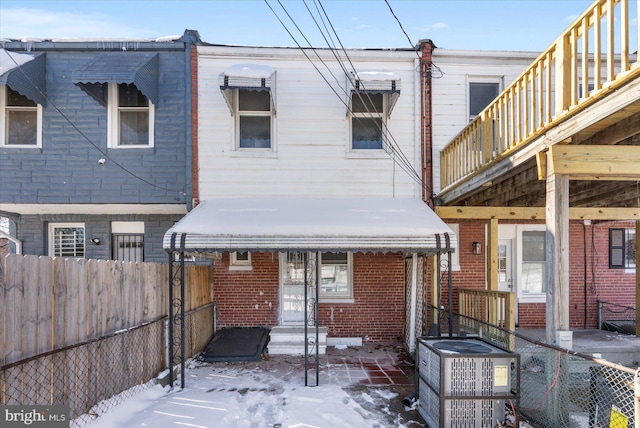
252,71
11,60
376,75
281,223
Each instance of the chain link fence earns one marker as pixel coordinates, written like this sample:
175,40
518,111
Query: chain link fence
94,376
558,387
88,377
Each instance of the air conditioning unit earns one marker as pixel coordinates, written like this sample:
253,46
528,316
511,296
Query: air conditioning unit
465,382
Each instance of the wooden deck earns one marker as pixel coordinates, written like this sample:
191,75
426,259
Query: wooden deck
561,143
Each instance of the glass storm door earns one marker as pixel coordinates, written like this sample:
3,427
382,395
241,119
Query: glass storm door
505,280
292,285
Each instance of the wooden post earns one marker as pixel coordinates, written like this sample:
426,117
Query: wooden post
557,252
492,254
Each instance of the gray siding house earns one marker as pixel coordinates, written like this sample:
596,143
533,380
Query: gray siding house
95,145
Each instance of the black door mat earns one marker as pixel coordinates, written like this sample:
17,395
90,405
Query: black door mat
237,344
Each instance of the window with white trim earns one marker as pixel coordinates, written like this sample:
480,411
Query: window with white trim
368,120
20,121
66,240
254,117
127,241
240,260
130,120
482,91
336,275
534,263
622,248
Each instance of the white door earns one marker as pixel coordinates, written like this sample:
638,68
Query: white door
292,286
505,272
505,282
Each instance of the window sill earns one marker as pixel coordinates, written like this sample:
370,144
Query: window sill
535,298
346,300
367,154
240,268
20,146
252,154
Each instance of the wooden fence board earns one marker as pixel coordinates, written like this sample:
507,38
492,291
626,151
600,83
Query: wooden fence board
59,303
13,316
45,301
50,303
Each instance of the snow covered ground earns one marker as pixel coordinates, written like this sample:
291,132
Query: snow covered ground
269,393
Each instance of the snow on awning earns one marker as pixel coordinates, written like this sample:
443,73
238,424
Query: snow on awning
139,68
25,74
249,77
378,82
311,224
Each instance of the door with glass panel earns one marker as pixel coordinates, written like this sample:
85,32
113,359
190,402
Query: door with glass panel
505,273
292,285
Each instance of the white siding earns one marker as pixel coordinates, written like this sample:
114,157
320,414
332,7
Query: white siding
450,92
312,133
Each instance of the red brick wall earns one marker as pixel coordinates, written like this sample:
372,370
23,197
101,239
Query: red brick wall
590,278
251,298
378,312
247,298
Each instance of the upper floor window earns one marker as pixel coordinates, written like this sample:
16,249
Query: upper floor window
21,121
130,118
367,120
253,119
66,240
249,90
373,96
481,94
622,248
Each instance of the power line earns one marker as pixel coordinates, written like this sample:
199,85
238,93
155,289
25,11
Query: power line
393,151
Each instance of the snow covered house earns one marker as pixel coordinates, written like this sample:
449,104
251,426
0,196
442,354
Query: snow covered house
311,161
95,145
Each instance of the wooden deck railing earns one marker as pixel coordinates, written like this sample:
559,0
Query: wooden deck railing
589,60
494,307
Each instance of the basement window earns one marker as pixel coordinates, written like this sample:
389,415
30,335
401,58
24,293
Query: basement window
622,248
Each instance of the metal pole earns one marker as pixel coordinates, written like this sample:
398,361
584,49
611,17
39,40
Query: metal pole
306,345
182,317
636,398
317,316
170,343
438,294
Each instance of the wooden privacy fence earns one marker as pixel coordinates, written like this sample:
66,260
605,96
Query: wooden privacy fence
49,303
493,307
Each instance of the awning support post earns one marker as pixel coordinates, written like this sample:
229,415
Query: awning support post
311,319
176,312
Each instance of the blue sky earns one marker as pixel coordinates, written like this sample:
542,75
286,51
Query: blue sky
523,25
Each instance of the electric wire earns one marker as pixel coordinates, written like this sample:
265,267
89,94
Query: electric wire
84,136
392,148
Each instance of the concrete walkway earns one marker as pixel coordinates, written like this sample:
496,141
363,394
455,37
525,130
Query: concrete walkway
615,347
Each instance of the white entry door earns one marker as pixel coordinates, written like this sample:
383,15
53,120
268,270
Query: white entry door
505,282
292,285
505,271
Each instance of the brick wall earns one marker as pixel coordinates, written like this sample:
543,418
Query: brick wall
590,278
251,298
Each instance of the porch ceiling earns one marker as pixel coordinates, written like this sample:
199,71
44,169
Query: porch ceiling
513,181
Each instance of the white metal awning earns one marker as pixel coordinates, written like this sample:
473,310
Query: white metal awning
383,82
311,224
